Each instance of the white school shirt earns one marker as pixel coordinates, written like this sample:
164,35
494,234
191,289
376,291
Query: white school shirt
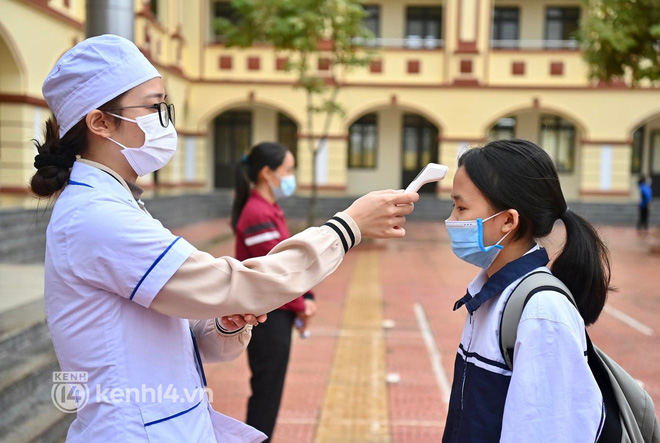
106,259
552,395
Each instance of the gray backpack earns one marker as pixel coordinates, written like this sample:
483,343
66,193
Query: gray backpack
630,411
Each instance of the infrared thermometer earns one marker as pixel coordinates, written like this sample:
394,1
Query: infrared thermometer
432,172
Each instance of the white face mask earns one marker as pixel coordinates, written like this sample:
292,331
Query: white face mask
158,148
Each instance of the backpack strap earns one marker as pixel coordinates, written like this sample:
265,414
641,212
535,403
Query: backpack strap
513,308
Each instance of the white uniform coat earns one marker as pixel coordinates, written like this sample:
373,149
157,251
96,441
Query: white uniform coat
106,260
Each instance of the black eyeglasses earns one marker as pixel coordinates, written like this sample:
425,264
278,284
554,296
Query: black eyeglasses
165,112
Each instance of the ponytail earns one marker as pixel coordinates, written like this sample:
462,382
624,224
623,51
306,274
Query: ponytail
517,174
241,191
584,266
247,170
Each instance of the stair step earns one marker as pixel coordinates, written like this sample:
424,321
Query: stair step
27,363
35,419
21,326
23,372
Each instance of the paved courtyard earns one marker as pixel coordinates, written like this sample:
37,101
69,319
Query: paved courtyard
379,361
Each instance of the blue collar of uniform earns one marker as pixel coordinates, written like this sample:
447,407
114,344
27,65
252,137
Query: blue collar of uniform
92,177
503,278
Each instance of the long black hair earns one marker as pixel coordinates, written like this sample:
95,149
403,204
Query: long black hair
517,174
247,170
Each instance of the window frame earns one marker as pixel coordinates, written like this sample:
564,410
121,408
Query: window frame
637,152
419,124
369,9
285,124
496,31
216,37
362,124
558,125
500,127
564,19
426,18
154,6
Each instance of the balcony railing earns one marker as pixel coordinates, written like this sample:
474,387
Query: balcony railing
535,44
410,42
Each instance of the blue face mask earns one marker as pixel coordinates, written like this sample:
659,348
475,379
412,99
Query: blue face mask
287,187
467,242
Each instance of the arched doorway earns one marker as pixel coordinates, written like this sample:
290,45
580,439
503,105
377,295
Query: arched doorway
388,146
11,168
419,147
232,135
557,135
236,130
645,161
287,133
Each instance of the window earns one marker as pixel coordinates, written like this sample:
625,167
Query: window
153,5
655,155
561,24
287,133
506,27
420,142
221,9
558,140
363,142
232,137
423,26
372,19
637,149
504,129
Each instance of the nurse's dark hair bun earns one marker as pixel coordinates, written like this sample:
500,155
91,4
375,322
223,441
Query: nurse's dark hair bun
56,157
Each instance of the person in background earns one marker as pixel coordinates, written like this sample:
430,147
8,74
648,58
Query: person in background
259,224
646,195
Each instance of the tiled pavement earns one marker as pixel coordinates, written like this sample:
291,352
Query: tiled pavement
385,314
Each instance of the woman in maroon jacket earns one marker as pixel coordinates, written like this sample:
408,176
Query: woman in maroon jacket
259,225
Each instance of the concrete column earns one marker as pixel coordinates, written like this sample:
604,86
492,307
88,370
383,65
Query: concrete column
527,126
110,17
264,125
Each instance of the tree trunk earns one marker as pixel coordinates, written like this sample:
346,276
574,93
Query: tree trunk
311,211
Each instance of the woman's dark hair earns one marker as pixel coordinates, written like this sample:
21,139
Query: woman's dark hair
60,153
247,171
517,174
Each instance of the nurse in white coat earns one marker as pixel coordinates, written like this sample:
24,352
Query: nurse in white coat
135,307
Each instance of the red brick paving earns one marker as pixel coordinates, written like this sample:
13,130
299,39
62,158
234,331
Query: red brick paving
422,269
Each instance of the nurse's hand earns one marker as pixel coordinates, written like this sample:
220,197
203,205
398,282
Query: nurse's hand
237,321
381,214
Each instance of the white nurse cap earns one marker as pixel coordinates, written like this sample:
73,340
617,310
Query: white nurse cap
92,73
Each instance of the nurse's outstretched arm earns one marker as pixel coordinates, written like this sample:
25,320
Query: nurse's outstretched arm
205,286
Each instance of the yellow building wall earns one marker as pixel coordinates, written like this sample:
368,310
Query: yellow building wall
19,124
39,51
463,114
75,10
606,170
537,69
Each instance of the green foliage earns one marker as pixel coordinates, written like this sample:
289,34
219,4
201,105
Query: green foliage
621,39
301,28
